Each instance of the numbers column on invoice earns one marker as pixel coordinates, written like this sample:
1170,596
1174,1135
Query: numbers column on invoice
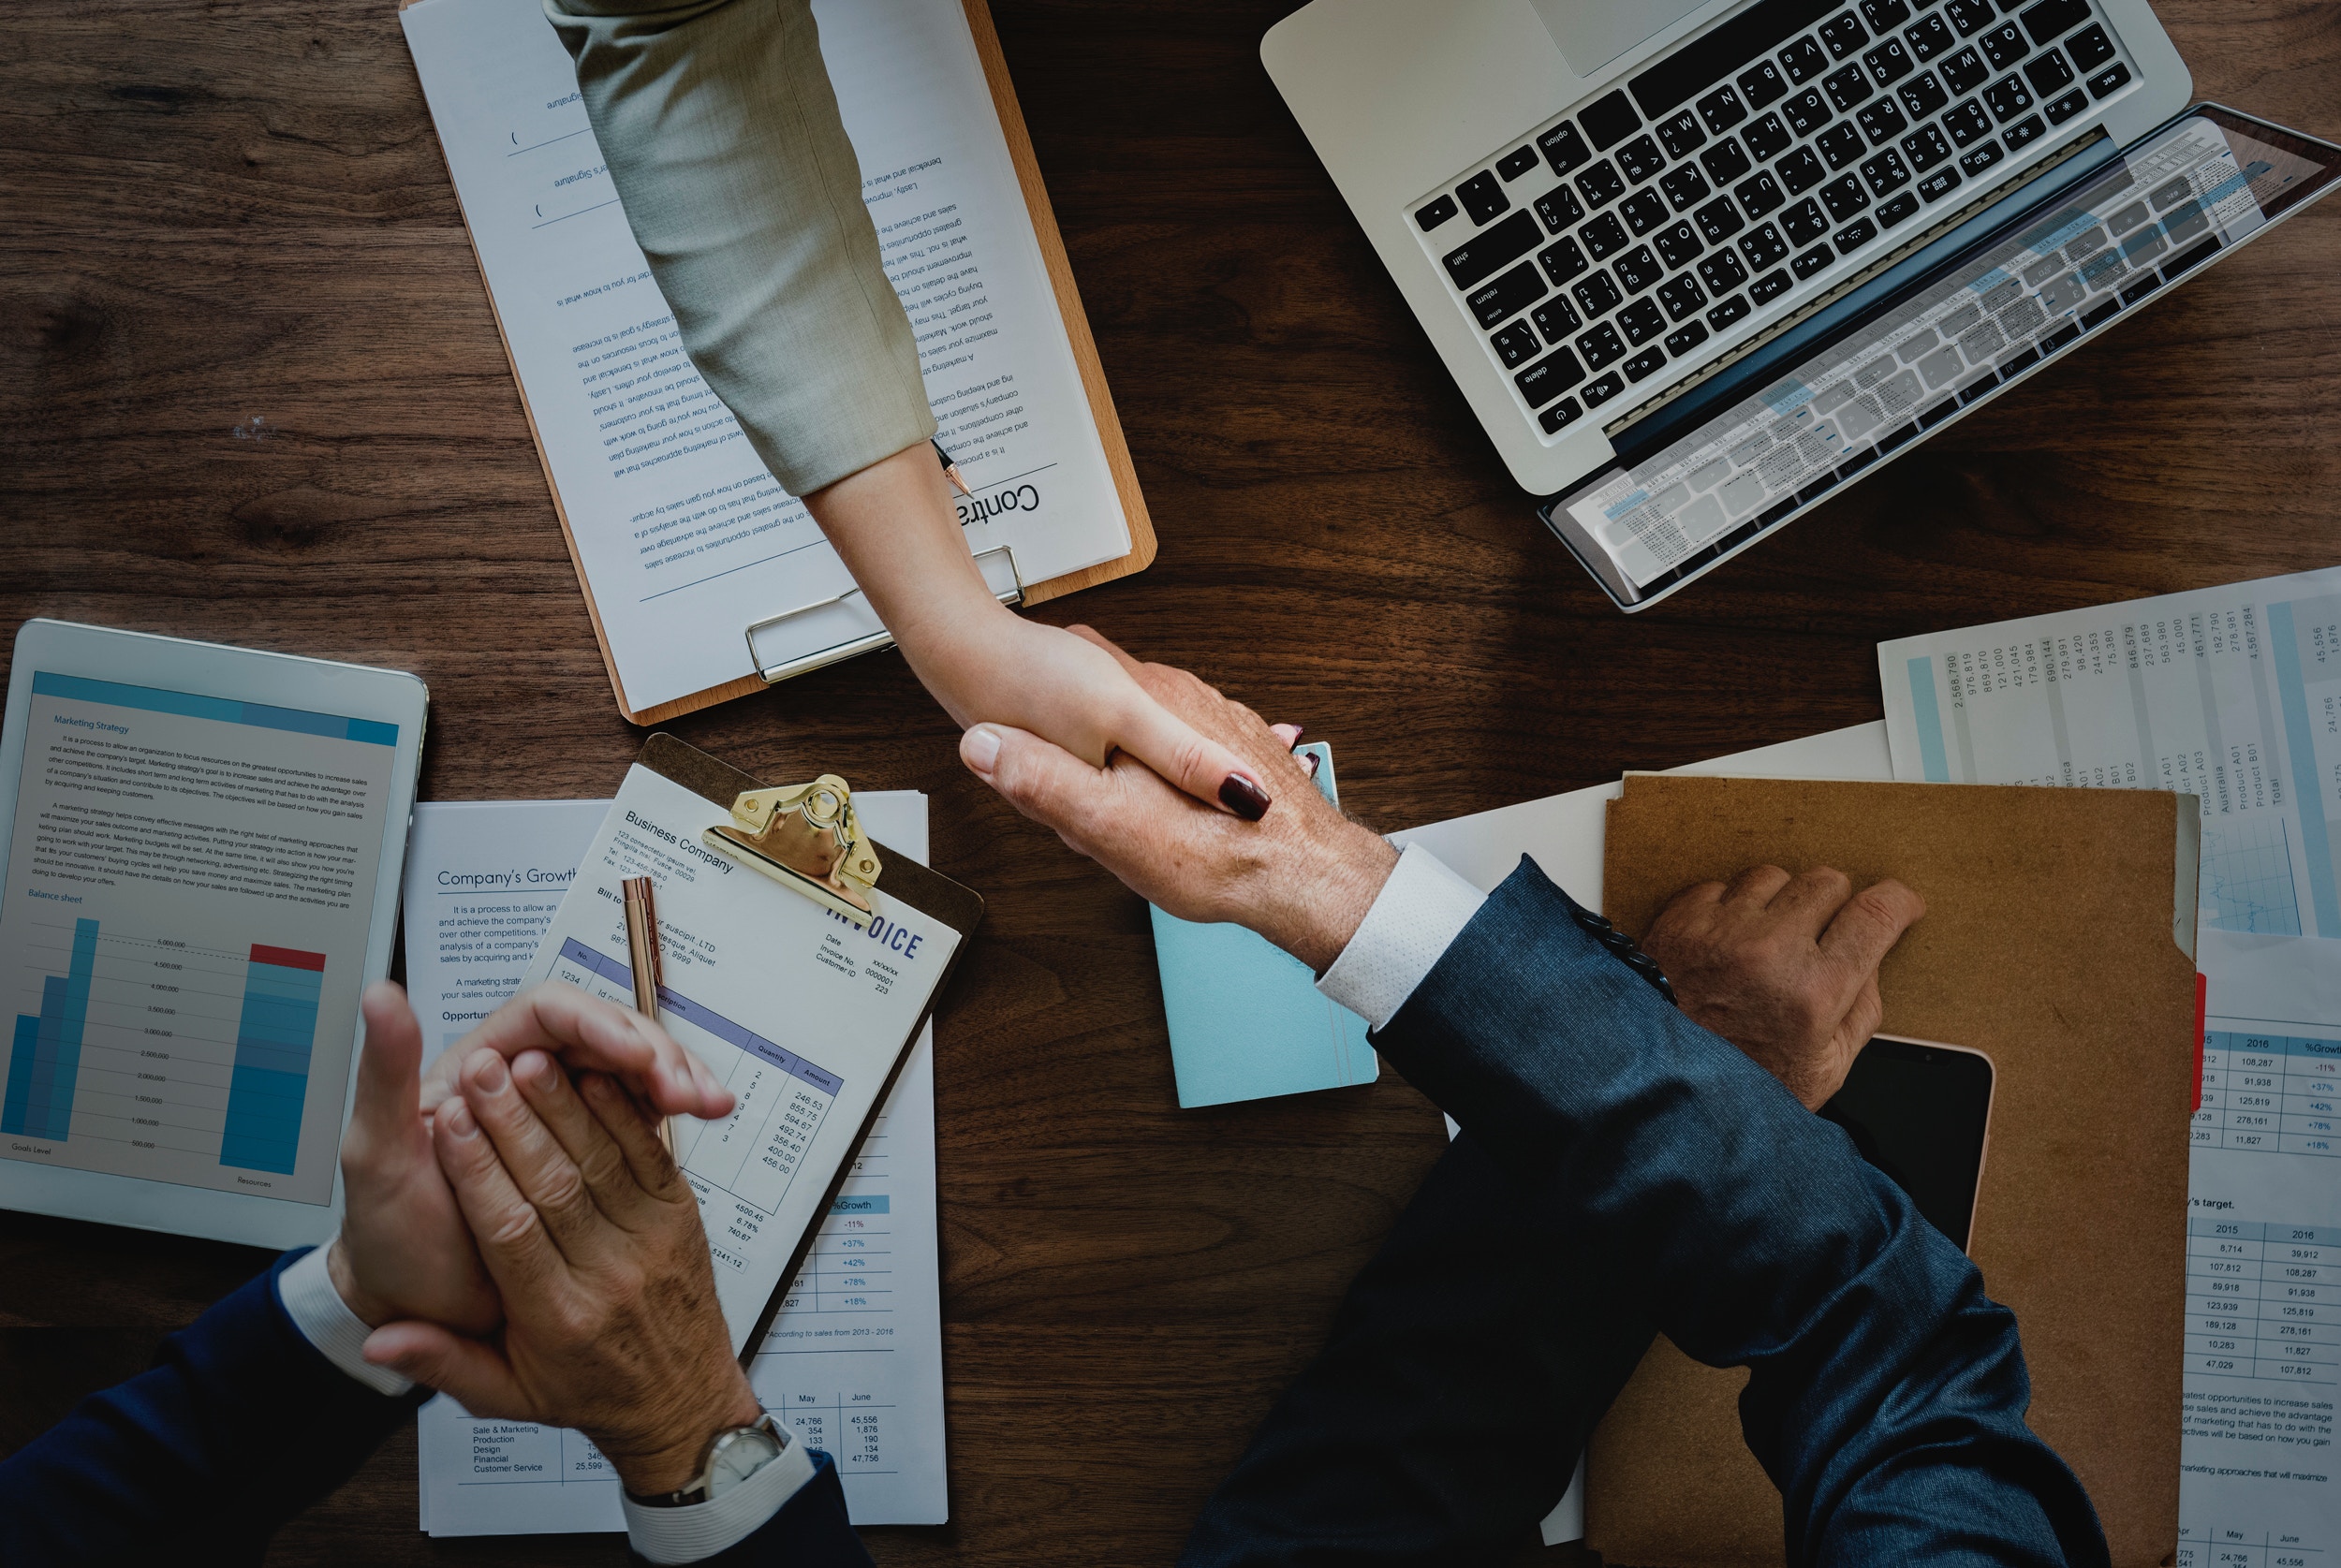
797,1110
2270,1094
2261,1300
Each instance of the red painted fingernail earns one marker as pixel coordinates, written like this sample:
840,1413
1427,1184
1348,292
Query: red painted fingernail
1242,797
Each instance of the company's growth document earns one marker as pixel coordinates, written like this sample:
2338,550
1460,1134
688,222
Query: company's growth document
190,885
854,1359
2230,694
682,536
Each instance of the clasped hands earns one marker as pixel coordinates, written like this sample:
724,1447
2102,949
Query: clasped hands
516,1235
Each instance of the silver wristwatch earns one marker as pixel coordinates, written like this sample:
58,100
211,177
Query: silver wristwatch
731,1457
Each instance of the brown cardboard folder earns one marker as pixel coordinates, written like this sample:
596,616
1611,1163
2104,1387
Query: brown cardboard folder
2051,942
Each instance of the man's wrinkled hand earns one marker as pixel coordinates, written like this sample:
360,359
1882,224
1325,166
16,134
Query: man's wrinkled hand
1785,968
1302,876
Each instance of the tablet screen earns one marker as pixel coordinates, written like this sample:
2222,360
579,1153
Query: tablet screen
190,886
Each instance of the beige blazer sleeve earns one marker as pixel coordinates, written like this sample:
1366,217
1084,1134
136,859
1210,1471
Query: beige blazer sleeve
723,139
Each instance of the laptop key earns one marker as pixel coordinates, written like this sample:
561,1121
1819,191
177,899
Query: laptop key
1516,346
1556,319
1643,211
2108,79
1802,61
1807,112
1889,63
1597,296
1721,109
1435,214
1843,34
1508,295
1562,413
1722,271
1969,16
1841,144
1767,139
1492,250
2030,128
2008,97
1609,121
1882,121
1517,162
1482,197
1604,237
1898,209
1925,147
1559,208
1845,197
1678,247
1923,97
2090,48
2003,46
1763,249
1599,392
1982,159
1758,196
1812,261
1641,321
2053,19
1929,38
1601,185
2140,290
1644,364
1685,187
1883,14
1762,83
1683,340
1848,87
1680,134
1965,71
2103,311
1968,124
1636,270
1726,161
1803,222
1639,159
1602,346
1561,261
1719,220
1681,296
1725,312
1765,290
1886,172
1563,148
1548,377
1800,171
2047,74
1854,236
1939,184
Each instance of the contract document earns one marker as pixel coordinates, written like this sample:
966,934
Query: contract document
854,1360
2230,694
683,538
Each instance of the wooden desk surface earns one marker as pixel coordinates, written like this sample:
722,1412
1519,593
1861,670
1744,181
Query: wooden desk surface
250,390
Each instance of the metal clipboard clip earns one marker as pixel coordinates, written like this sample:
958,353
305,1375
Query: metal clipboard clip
806,836
1013,593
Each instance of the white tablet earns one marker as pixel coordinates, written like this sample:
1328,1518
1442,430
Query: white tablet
199,874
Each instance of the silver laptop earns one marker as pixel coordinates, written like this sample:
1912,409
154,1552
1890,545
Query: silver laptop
1697,263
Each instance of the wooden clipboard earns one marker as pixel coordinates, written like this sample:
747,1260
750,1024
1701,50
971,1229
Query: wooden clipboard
902,879
1084,345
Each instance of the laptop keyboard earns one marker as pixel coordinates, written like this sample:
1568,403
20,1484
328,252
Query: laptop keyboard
1701,201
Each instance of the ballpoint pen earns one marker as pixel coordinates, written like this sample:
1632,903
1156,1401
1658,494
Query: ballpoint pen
642,947
950,470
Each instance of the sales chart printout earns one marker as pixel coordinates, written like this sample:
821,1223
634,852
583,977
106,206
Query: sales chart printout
853,1361
2260,1483
189,888
683,536
2232,694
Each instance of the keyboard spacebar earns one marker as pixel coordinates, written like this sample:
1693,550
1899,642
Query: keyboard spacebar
1743,41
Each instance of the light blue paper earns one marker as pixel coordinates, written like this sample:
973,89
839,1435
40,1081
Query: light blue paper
1247,1022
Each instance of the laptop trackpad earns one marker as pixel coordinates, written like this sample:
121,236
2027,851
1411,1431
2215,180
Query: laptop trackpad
1592,32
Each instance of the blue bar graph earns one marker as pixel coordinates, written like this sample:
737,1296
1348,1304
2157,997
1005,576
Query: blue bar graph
44,1054
271,1079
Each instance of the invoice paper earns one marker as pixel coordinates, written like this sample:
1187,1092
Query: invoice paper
2230,694
684,535
854,1360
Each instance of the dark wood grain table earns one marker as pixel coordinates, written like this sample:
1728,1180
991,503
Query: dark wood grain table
250,390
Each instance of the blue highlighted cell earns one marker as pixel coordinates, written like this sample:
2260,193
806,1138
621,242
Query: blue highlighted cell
1934,757
154,699
270,1083
45,1052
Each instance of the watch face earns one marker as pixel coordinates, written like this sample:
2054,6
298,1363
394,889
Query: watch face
739,1456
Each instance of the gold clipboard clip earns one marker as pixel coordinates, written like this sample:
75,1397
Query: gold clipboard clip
806,836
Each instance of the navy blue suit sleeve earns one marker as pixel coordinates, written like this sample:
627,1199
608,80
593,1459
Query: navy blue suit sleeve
1887,1392
811,1531
239,1425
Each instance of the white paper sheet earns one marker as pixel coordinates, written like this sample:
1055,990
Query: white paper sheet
2230,694
684,535
854,1360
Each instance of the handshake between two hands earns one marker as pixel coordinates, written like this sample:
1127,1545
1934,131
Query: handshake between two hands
516,1235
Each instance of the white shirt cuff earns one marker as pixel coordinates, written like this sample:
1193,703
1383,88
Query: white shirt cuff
701,1529
326,1321
1420,911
